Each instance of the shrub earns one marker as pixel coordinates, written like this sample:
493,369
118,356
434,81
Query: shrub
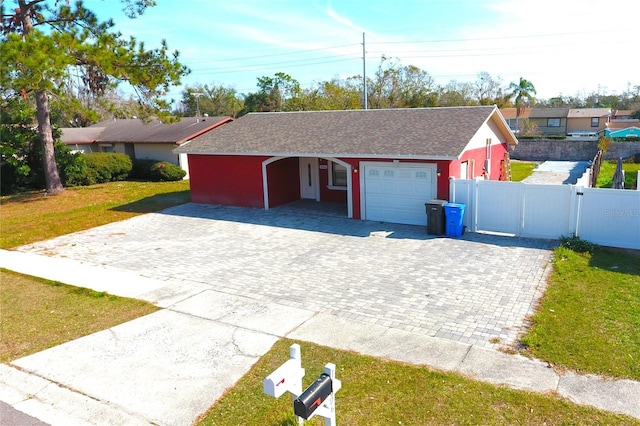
142,169
108,166
604,143
72,166
577,245
164,172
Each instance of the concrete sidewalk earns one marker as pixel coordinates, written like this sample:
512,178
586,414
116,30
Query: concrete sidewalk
167,368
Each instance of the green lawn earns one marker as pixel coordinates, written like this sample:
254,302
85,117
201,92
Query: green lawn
38,314
608,168
376,392
521,169
29,217
589,318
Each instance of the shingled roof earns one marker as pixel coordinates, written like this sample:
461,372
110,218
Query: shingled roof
138,131
80,135
405,133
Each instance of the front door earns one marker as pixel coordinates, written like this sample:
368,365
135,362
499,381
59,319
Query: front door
309,179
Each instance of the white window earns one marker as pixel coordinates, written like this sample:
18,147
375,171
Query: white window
595,121
337,176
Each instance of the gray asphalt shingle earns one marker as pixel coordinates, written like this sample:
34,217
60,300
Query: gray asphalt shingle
136,130
419,132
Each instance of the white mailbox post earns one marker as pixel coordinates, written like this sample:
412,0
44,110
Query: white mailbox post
287,377
317,400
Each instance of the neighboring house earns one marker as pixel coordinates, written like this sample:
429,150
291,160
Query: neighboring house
550,121
625,133
622,126
514,120
81,139
622,114
587,121
141,140
381,164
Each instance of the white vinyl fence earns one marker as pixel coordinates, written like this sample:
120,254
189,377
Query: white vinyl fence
609,217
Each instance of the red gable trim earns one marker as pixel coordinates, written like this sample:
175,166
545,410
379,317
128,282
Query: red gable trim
205,130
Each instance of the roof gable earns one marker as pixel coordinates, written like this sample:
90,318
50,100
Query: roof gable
136,130
417,132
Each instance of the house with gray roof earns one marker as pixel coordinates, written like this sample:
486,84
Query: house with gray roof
380,164
550,121
142,140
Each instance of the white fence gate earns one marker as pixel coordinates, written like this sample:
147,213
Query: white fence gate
609,217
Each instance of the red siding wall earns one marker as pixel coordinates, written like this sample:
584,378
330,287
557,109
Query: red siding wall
283,178
227,180
478,156
237,180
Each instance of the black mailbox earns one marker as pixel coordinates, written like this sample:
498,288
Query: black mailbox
313,397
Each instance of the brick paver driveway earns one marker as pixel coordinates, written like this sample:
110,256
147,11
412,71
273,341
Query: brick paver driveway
475,289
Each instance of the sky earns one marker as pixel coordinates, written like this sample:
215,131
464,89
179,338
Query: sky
564,47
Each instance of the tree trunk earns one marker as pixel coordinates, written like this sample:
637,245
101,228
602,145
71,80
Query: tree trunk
51,175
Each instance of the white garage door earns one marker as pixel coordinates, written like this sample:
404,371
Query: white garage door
397,193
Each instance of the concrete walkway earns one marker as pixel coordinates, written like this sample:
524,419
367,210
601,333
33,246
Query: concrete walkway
236,280
557,173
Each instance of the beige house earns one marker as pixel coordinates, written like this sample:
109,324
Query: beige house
587,121
153,140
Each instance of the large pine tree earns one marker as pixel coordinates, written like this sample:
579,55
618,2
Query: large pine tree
44,40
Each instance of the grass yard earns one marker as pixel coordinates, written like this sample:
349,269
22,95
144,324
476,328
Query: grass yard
376,391
29,217
608,168
521,170
589,318
38,314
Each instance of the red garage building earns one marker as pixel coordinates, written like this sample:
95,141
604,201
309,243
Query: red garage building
382,164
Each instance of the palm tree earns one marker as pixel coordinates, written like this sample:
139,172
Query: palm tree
523,92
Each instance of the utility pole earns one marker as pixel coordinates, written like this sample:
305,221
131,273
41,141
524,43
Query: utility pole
197,96
364,74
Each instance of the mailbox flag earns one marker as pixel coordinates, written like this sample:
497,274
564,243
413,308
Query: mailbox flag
313,397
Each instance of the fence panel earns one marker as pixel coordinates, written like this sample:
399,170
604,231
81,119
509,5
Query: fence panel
498,206
547,211
610,217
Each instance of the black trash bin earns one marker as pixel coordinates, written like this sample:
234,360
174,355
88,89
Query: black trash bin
435,217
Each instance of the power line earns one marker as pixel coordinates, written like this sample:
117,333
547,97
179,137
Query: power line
273,55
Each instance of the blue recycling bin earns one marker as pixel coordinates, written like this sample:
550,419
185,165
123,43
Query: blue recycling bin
454,214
